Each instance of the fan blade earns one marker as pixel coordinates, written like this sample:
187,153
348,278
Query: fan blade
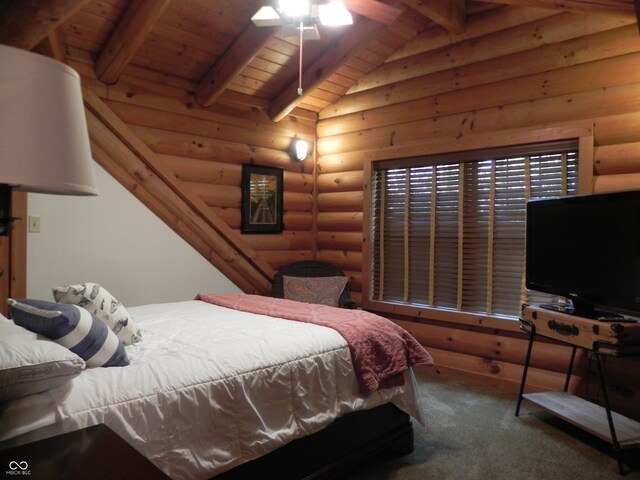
378,11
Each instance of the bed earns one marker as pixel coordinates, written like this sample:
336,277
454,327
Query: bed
212,391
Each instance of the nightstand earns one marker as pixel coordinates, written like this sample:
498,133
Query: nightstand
94,452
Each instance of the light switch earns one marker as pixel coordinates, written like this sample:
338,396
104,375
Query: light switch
34,223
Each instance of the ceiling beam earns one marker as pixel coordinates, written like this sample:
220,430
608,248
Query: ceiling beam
52,47
614,7
26,23
243,50
326,65
133,28
450,14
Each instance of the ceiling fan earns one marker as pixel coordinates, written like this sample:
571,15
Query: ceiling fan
306,15
302,17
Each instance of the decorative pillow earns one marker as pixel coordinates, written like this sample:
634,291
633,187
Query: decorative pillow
72,327
29,364
322,290
103,305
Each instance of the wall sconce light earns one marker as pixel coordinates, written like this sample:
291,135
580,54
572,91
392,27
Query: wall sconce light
43,130
299,150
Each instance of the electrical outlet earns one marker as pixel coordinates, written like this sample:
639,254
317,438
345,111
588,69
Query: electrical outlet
34,223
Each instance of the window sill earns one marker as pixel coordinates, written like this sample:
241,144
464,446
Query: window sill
444,315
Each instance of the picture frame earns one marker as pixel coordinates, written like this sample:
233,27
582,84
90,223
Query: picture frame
262,198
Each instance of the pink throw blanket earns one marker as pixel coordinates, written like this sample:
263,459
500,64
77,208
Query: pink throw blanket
380,349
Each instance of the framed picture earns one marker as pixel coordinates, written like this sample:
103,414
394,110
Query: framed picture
261,199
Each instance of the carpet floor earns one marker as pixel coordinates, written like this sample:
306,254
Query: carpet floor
472,432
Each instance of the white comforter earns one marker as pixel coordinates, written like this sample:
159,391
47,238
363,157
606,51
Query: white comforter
209,388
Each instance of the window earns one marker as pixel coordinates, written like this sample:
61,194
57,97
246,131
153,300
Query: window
448,231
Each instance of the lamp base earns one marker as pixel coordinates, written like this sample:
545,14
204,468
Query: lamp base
5,210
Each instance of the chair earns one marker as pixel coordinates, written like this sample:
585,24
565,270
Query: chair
311,268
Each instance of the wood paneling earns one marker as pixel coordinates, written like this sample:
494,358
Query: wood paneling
521,90
13,254
5,271
549,77
132,29
521,38
26,23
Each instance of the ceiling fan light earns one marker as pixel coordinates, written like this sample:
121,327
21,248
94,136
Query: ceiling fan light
294,8
334,14
266,17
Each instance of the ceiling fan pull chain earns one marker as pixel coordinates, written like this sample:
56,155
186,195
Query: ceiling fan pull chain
300,64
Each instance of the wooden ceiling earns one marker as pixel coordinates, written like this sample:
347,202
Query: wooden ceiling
214,46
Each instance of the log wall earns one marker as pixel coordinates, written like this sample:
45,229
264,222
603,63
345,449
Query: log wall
539,78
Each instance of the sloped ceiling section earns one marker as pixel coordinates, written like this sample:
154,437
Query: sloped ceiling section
216,47
136,166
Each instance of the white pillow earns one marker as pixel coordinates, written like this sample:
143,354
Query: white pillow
32,364
103,305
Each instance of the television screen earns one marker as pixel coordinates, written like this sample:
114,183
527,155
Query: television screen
586,248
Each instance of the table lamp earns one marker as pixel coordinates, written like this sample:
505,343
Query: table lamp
44,141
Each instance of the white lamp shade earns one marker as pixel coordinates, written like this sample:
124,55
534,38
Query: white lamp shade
44,141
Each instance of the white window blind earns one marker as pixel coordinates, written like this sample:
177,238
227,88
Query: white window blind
449,230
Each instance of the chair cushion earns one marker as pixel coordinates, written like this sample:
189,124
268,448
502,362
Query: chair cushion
320,290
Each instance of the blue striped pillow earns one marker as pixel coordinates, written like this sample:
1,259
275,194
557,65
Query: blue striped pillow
72,327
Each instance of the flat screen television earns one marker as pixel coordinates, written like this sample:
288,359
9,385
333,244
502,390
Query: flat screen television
586,248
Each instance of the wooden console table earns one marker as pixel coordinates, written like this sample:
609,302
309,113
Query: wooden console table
619,431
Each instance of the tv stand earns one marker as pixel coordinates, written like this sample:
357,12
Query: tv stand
619,431
591,313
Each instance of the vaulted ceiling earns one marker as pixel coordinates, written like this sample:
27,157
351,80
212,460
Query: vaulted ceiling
213,45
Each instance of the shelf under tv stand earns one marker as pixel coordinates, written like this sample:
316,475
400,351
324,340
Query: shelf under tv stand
587,416
617,430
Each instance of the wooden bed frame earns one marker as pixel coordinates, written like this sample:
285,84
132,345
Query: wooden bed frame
329,453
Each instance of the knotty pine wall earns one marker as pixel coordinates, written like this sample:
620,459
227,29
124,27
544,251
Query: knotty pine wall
514,76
